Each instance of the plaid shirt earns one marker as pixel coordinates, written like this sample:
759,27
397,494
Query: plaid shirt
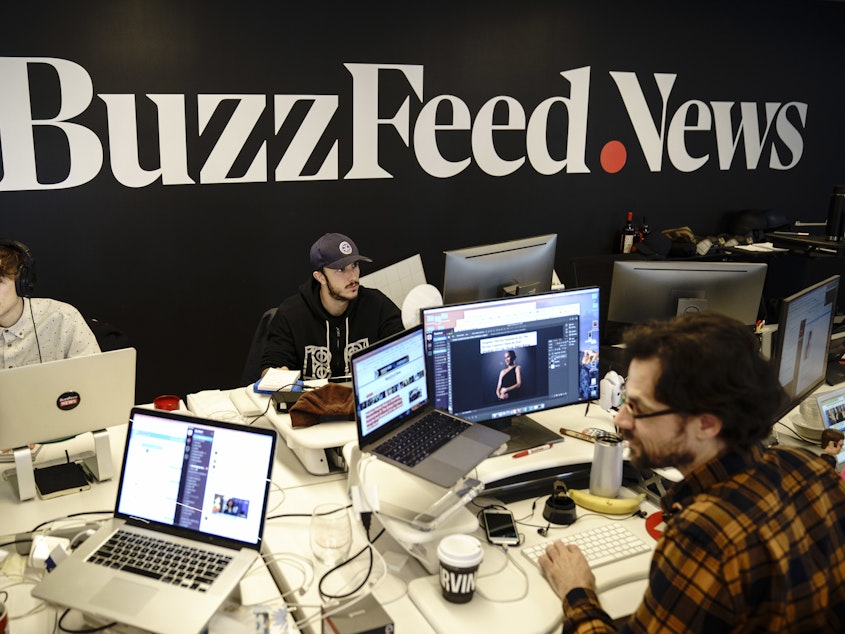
753,542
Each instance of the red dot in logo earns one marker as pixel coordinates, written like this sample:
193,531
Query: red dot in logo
613,157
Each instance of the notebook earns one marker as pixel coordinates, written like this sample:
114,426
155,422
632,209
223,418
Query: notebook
194,482
391,389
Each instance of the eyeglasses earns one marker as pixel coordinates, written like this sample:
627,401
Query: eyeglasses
633,409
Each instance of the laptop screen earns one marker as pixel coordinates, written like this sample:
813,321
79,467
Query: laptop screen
196,474
389,382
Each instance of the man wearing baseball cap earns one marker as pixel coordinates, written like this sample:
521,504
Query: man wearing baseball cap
317,330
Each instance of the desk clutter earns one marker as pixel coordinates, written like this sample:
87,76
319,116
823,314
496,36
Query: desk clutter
393,567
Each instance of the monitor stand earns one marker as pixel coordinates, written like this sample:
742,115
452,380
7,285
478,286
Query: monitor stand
524,431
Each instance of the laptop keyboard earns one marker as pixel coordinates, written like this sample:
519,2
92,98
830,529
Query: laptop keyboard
176,564
412,445
601,545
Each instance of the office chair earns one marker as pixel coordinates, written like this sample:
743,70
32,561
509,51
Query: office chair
108,337
252,367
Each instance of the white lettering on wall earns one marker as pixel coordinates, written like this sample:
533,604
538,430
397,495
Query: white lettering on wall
721,128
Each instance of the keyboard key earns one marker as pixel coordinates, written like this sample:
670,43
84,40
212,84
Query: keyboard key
601,545
415,443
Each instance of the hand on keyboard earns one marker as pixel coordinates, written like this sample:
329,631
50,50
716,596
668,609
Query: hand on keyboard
600,545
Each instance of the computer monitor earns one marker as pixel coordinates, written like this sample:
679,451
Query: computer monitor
474,351
645,290
805,324
517,267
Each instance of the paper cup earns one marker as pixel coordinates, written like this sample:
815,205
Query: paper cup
4,619
460,556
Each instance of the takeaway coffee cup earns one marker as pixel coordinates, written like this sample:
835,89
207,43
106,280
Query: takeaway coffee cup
460,556
4,619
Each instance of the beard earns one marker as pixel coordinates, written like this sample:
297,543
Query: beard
672,452
341,293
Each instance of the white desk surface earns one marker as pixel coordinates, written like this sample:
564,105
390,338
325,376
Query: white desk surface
407,583
22,517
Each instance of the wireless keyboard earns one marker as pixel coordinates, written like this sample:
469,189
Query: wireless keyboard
601,545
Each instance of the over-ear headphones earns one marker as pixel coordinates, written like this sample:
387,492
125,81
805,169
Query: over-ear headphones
25,282
559,509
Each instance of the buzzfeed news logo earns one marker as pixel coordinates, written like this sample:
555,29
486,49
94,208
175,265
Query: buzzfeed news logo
661,131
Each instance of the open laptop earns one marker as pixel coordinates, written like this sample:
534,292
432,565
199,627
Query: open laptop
391,390
193,482
62,398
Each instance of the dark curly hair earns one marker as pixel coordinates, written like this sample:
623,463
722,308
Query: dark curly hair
711,364
10,262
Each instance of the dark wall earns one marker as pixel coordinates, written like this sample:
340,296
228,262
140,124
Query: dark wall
187,269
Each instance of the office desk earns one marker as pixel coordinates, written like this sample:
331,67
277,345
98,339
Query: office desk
19,518
420,607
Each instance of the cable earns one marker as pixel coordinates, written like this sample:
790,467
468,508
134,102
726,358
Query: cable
86,631
35,330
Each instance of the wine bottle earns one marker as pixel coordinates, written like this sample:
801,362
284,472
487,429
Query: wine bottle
626,237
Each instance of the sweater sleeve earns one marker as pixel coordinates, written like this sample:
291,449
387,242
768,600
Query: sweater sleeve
279,350
582,613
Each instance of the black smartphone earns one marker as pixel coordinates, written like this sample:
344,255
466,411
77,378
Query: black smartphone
500,527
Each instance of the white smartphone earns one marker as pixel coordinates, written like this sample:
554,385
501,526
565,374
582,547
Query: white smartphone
500,527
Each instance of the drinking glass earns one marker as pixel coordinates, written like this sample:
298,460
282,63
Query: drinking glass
331,533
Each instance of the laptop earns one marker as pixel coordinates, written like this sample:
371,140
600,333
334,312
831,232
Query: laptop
391,388
62,398
195,483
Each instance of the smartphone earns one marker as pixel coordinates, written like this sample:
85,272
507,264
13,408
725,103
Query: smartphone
500,527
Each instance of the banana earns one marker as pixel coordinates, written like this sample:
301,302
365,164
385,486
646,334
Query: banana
611,506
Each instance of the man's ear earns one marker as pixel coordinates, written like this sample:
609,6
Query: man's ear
318,275
710,425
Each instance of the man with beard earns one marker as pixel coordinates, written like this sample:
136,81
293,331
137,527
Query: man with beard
754,537
317,330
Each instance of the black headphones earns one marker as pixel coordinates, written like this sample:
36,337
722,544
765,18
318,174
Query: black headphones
25,282
559,509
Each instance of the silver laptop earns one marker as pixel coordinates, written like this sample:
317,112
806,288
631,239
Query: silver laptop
57,399
392,403
200,486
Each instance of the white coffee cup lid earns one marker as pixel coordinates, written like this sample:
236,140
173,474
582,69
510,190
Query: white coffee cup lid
460,551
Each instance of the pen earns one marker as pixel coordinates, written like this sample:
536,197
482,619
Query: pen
533,450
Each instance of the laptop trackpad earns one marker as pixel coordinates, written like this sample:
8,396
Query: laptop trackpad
131,597
463,450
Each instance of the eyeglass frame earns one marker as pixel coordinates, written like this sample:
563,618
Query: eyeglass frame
663,412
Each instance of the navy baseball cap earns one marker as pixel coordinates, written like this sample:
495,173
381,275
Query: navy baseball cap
334,251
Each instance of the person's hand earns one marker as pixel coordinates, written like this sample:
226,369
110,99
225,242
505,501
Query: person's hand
566,568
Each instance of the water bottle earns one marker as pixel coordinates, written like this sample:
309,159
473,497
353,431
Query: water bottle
836,214
606,470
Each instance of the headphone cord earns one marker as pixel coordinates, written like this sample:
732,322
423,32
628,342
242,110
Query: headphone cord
34,329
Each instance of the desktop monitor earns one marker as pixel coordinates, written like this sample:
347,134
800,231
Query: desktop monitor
805,325
552,338
645,290
63,398
517,267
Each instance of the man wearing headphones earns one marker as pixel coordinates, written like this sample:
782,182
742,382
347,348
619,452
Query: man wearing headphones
35,330
317,330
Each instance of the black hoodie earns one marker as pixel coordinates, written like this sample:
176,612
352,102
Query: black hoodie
303,336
